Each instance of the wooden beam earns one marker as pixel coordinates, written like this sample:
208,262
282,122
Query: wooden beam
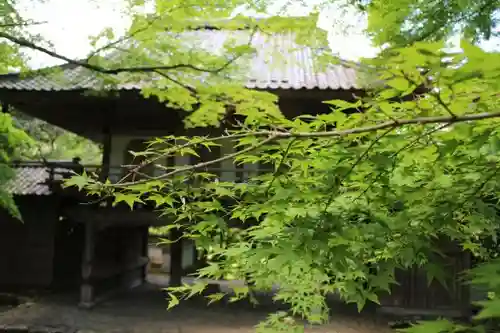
111,270
106,217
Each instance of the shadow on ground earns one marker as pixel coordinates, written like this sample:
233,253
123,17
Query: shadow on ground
143,310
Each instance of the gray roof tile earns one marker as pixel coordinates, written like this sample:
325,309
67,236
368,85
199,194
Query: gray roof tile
278,64
31,179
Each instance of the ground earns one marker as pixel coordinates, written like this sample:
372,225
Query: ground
143,310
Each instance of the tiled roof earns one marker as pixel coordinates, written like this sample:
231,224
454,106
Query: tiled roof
278,64
31,180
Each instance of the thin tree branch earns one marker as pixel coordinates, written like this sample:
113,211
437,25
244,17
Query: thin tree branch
176,82
112,71
414,141
120,40
381,126
173,151
353,166
483,184
439,99
280,164
21,24
140,69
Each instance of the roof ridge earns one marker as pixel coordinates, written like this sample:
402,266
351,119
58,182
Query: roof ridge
43,70
294,71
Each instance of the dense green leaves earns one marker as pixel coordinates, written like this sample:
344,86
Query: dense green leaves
53,143
12,139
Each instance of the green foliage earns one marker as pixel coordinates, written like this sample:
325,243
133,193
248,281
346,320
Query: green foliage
11,138
342,210
54,143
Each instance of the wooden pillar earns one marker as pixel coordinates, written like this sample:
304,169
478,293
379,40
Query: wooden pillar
145,251
175,258
201,259
106,151
87,293
5,107
130,250
196,255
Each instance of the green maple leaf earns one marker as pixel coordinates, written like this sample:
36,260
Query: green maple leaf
128,198
80,181
491,309
173,301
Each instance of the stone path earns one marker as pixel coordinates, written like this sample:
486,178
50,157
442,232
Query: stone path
144,311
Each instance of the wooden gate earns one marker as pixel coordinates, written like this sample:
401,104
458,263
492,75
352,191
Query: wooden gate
414,294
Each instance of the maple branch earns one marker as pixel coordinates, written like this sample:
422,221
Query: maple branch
120,40
134,33
360,158
177,82
381,126
174,150
275,135
394,155
280,164
445,106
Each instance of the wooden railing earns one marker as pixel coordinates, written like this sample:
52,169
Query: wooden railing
57,171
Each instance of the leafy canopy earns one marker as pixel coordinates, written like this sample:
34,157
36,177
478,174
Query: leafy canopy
341,210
